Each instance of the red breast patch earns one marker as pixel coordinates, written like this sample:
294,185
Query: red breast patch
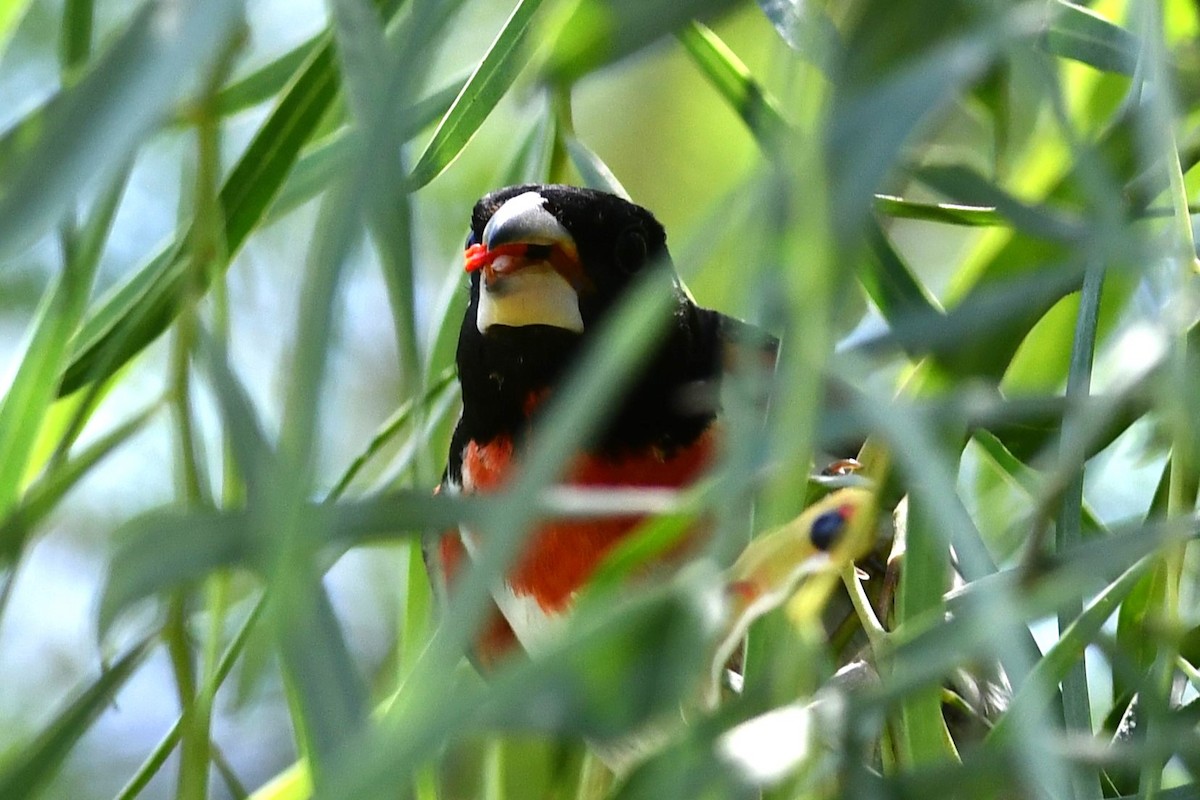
559,557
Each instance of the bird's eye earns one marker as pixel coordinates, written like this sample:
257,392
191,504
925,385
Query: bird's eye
631,249
826,529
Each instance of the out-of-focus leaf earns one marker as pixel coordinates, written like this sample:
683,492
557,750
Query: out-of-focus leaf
268,80
980,335
615,670
1025,425
868,124
806,29
75,40
163,550
27,770
1067,652
28,398
599,32
253,454
96,125
44,494
325,158
496,72
891,284
1081,34
142,308
964,185
595,173
733,81
10,15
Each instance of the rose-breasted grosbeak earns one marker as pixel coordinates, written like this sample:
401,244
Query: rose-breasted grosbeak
546,264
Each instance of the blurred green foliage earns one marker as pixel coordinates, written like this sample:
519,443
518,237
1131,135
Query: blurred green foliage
970,223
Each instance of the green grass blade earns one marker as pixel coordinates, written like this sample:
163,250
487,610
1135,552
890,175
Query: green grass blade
268,80
595,678
922,736
44,494
868,125
1068,531
1066,654
75,39
101,121
490,81
732,79
27,770
947,213
162,751
963,185
32,391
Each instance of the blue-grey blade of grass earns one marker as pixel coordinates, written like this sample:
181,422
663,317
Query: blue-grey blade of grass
164,550
1078,33
97,125
329,696
595,173
980,335
367,69
28,769
1067,652
806,29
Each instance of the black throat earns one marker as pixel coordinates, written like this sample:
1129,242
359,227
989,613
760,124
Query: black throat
668,405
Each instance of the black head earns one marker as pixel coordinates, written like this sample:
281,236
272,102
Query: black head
546,264
556,246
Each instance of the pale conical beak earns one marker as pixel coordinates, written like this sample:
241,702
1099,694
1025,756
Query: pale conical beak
523,257
525,220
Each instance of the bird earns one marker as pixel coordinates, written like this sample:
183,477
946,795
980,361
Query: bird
546,264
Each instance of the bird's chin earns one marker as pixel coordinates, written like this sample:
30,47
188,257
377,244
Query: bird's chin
533,295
